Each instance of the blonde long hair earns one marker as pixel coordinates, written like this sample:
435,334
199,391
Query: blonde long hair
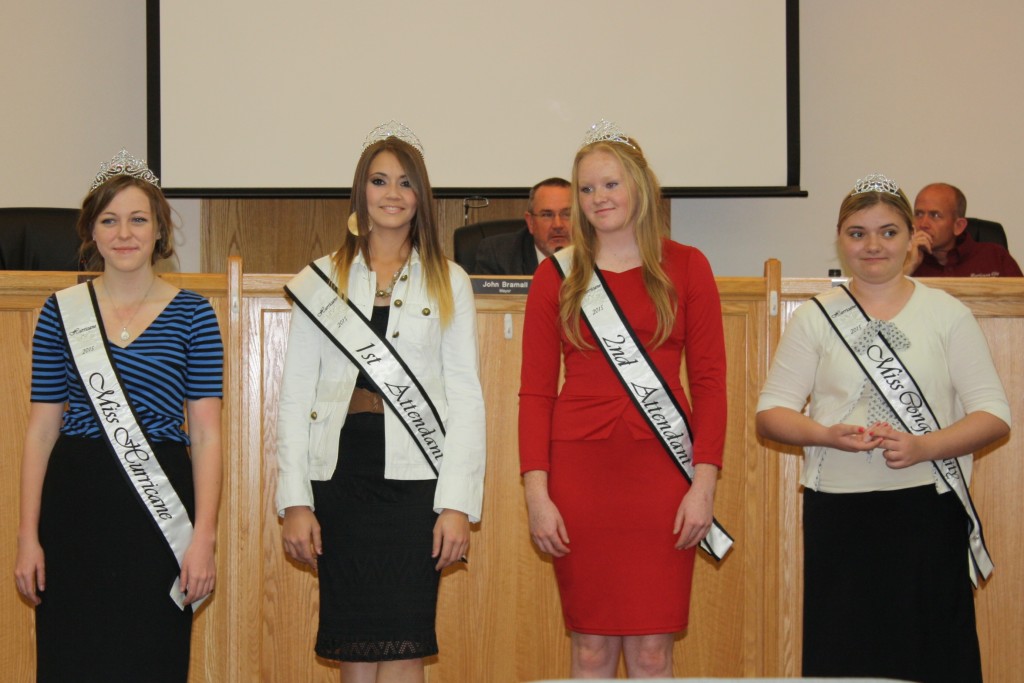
651,224
423,229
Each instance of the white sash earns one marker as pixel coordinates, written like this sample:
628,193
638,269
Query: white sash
316,295
116,416
894,382
644,384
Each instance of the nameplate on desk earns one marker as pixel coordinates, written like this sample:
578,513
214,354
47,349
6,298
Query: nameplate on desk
508,284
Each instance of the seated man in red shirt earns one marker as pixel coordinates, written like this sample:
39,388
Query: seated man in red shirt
942,248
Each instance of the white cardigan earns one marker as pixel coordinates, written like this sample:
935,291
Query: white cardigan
948,358
318,381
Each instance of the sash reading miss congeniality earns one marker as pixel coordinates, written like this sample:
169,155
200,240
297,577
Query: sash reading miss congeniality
348,329
121,428
894,382
644,384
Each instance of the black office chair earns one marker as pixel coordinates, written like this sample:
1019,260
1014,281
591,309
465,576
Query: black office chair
468,237
986,231
38,239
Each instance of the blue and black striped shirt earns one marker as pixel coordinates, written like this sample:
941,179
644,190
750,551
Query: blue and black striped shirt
179,357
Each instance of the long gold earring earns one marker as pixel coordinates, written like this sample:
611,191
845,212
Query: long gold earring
353,224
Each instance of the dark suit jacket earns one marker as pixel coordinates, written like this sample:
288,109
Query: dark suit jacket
510,254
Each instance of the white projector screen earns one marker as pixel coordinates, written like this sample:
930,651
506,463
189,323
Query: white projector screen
270,98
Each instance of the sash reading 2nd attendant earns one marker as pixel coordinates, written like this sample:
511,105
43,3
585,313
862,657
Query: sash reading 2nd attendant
893,381
120,425
347,328
643,383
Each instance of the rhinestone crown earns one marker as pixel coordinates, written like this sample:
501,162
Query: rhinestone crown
876,182
124,163
605,131
393,129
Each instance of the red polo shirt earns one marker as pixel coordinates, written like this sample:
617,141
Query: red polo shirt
971,259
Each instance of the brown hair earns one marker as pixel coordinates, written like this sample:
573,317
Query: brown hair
853,203
97,201
651,225
423,228
550,182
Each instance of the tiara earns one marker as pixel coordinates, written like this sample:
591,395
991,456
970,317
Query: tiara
393,129
605,131
124,163
876,182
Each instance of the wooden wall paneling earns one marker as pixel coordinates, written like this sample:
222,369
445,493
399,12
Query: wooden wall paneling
532,643
784,587
283,235
726,636
234,518
499,617
996,490
785,505
476,646
17,623
999,478
283,602
270,235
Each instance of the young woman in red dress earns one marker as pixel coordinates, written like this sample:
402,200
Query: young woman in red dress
605,498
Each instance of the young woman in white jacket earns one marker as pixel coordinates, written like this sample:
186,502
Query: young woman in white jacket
361,501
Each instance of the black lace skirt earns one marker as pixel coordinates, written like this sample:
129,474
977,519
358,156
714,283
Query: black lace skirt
378,585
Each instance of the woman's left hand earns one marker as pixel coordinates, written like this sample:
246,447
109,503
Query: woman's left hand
198,570
451,538
899,449
696,511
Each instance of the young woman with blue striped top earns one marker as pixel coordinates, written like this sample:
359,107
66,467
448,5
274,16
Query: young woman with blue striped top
101,544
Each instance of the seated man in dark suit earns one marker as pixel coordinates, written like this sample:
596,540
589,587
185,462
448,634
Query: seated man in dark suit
942,248
547,229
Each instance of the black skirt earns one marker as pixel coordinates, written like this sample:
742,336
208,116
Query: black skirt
106,614
886,587
378,585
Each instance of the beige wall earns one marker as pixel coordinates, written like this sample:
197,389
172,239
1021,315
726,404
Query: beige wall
922,90
73,84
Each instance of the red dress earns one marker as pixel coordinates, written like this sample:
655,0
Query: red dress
616,487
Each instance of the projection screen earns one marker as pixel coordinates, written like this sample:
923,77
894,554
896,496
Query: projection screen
262,98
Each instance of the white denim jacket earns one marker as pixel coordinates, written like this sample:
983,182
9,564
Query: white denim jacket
318,381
